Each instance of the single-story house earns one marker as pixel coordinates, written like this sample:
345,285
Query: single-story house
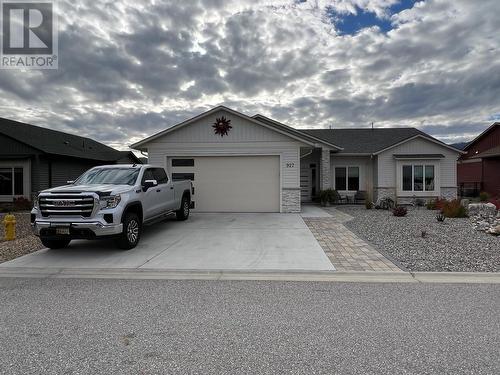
33,158
254,164
479,168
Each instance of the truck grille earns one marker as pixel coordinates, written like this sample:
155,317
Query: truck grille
66,205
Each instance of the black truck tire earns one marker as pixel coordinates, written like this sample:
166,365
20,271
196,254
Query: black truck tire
131,234
183,212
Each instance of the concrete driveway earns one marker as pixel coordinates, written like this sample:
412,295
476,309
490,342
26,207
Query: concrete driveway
204,242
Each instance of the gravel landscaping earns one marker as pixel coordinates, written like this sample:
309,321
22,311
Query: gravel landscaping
25,241
449,246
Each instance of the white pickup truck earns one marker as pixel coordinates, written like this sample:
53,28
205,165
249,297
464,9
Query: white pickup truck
109,201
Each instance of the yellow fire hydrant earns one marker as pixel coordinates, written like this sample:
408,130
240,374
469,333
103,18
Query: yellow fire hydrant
9,222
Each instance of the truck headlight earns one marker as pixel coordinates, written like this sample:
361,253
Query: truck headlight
110,202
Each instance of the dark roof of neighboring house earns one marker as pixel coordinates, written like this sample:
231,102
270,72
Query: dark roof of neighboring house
60,143
491,153
488,130
460,146
365,141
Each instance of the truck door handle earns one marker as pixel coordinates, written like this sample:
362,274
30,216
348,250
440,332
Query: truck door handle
171,188
158,190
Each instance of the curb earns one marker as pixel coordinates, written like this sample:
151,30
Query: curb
254,275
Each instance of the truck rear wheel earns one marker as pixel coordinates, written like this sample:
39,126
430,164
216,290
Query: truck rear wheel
131,234
183,212
55,244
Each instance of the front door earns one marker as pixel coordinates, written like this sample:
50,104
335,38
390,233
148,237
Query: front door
305,185
308,178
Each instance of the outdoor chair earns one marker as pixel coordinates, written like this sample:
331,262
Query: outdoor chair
338,199
360,196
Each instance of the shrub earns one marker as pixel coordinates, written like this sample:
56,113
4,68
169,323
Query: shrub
327,196
431,204
440,216
22,204
385,203
441,203
436,204
399,211
453,209
368,204
484,196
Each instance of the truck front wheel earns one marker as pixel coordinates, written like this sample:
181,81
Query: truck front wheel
55,244
129,238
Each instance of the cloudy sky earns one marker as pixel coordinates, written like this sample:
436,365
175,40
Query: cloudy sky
128,69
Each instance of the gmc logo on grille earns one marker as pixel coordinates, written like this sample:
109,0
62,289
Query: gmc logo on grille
64,203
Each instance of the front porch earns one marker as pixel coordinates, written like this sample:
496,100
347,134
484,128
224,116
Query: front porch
322,169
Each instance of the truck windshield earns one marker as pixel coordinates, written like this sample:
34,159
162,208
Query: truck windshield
112,176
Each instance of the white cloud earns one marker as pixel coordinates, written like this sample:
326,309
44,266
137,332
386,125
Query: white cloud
130,68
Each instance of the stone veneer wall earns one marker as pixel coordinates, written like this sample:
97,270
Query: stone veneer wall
325,170
380,193
449,193
290,200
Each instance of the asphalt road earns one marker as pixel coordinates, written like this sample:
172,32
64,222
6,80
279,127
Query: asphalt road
73,326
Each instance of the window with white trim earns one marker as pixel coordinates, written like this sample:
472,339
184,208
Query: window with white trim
418,177
11,181
347,178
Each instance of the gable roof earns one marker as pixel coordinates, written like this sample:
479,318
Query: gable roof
59,143
483,134
274,125
269,121
372,141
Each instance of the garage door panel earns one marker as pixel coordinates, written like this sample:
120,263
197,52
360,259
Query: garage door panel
236,183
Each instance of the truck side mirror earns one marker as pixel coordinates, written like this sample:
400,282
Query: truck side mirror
148,184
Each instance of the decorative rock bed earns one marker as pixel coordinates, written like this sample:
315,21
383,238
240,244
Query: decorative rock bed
485,217
25,242
420,243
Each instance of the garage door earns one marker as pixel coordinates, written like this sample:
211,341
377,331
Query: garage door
231,183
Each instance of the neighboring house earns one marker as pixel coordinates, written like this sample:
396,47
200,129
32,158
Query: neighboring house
479,169
254,164
34,158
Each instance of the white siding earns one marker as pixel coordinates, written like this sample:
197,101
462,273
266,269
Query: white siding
386,165
243,131
245,138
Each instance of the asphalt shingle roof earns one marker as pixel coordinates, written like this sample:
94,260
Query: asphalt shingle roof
59,143
490,153
364,141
